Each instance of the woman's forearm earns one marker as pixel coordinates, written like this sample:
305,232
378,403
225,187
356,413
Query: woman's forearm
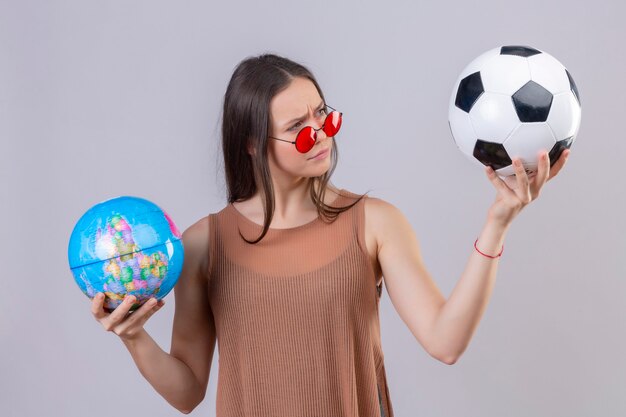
458,318
169,376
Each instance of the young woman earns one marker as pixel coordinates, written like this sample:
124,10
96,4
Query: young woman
287,278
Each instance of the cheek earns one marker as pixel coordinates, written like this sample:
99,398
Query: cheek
285,155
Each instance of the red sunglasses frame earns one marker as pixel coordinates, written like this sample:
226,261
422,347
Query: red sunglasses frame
307,136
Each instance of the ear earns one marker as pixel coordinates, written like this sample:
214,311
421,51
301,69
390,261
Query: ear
251,150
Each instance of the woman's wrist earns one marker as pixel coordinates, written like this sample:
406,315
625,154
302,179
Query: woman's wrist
498,225
486,255
490,241
132,341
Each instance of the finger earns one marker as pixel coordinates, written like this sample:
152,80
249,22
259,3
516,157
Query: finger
522,190
154,308
498,183
145,311
544,166
542,173
97,304
148,307
119,313
554,170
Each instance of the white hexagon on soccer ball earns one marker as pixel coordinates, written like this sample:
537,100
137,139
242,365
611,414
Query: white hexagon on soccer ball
516,70
564,117
494,117
526,142
546,71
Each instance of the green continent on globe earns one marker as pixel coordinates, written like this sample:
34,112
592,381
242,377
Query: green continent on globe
130,270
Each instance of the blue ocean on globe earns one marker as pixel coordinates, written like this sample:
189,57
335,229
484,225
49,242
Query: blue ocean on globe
125,246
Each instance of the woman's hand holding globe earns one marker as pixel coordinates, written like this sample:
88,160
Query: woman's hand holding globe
126,326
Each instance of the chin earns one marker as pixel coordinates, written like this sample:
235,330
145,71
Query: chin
319,171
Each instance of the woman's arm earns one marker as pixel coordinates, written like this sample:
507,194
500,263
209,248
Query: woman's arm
193,332
168,375
459,316
445,327
181,376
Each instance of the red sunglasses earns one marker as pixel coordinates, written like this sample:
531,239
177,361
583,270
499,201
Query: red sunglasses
307,136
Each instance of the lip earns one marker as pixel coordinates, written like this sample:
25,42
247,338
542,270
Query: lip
321,153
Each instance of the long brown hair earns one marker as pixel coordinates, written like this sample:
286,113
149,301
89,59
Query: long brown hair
246,122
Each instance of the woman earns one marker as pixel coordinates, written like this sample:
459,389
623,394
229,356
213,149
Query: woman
288,276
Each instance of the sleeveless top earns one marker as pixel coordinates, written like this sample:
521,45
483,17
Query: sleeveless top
296,318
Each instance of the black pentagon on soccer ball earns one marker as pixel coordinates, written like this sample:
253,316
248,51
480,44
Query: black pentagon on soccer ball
532,102
558,149
491,154
470,88
572,86
524,51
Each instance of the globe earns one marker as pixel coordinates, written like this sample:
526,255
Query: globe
125,246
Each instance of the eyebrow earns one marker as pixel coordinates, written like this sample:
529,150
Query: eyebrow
297,119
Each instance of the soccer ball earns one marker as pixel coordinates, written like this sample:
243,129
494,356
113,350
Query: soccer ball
514,101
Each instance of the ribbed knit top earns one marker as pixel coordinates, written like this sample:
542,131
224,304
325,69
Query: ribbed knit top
296,318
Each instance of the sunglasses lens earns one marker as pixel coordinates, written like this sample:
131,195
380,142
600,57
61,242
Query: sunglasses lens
306,139
332,123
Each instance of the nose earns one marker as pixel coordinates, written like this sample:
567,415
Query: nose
320,134
320,129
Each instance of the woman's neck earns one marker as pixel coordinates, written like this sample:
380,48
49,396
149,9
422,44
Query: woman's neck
291,207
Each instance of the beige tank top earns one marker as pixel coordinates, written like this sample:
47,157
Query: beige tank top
297,318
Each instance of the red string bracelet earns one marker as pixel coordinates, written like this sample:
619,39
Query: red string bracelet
488,256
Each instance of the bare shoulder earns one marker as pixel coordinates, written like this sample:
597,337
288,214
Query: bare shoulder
378,208
196,244
200,225
383,219
379,215
199,231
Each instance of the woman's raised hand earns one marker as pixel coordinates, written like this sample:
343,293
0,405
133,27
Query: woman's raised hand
119,321
516,192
